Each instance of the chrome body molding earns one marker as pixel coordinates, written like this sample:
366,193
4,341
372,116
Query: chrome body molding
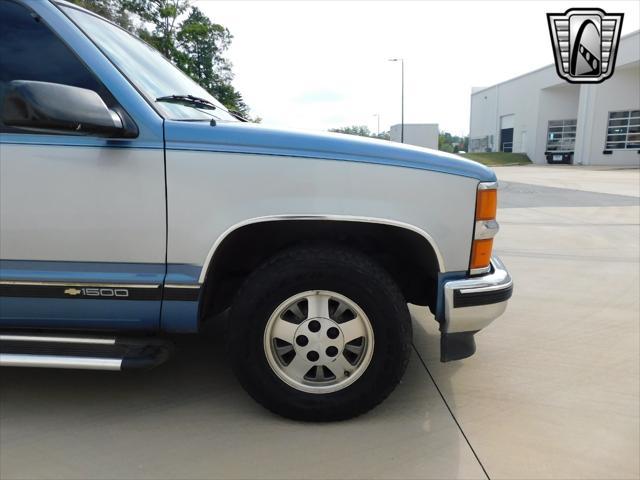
488,186
473,303
329,217
486,229
77,284
55,361
480,271
57,339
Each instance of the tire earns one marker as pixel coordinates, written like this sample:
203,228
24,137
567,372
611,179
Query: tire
340,288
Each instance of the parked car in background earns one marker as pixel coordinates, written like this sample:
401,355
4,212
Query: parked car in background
134,206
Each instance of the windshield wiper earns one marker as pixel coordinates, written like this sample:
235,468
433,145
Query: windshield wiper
188,99
238,115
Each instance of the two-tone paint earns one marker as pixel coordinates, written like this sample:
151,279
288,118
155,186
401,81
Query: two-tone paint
148,214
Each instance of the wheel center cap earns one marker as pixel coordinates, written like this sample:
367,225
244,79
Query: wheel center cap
320,340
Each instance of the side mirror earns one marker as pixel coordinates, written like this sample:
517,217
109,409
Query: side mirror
59,108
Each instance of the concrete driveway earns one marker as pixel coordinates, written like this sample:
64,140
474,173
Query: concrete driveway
553,391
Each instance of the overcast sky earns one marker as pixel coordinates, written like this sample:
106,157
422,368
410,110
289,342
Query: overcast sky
323,64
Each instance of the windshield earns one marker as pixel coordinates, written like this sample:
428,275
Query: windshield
148,70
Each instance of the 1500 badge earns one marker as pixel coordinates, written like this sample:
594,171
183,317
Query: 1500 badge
97,292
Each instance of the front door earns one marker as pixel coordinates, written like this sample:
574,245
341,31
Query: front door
506,140
82,219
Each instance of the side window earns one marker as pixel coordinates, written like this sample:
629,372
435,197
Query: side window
29,50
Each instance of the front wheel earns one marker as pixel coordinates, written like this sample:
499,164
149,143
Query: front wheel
320,334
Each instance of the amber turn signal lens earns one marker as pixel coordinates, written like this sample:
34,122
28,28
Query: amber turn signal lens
481,253
486,204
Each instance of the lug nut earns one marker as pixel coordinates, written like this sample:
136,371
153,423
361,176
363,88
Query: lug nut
314,326
331,351
333,333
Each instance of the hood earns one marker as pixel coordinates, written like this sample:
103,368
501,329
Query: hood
258,139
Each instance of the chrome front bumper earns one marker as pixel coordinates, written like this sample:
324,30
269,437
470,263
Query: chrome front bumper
470,305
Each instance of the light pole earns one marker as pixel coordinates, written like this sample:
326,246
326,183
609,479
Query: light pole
378,116
401,60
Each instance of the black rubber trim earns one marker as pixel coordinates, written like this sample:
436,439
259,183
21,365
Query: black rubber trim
473,299
182,294
149,357
90,292
86,292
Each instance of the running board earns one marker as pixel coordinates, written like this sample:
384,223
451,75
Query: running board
59,361
81,352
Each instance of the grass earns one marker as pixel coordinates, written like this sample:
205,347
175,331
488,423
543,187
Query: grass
493,159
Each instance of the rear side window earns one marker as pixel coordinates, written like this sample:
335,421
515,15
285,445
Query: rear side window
29,50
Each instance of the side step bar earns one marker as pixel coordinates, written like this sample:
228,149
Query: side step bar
58,361
82,352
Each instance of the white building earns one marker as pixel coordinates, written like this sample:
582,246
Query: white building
547,118
419,134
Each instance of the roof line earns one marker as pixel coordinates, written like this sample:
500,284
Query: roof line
482,89
405,124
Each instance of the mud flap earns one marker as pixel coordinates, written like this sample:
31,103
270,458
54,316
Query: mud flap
456,346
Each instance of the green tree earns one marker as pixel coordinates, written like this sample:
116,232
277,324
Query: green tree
109,9
163,16
360,130
444,142
183,34
201,44
452,143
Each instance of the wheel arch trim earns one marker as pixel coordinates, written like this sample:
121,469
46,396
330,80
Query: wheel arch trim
311,217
